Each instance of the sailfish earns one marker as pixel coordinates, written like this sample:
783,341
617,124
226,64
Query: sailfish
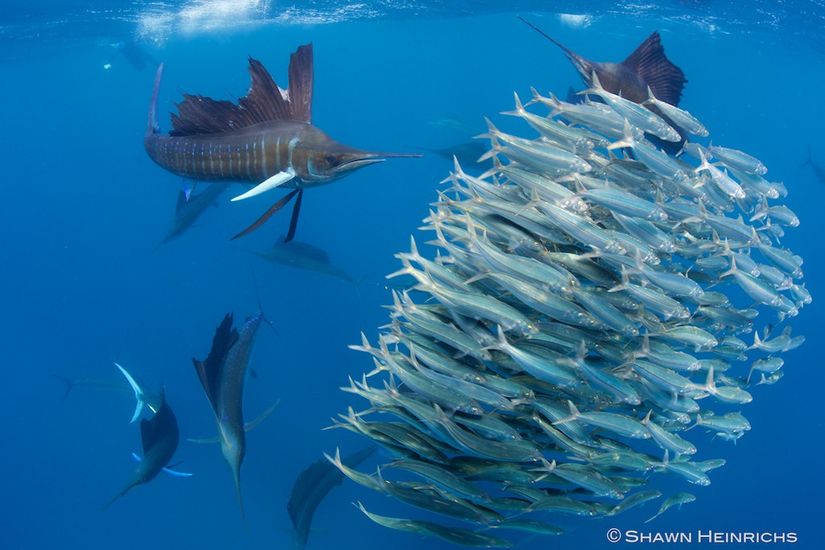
310,488
159,436
222,375
646,77
267,138
647,70
190,206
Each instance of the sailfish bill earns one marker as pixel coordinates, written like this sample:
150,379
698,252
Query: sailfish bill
267,138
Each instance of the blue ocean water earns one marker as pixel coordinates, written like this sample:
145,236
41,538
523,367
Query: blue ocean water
84,283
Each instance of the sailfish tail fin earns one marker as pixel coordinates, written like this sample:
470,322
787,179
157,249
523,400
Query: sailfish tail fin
236,474
808,159
128,487
68,384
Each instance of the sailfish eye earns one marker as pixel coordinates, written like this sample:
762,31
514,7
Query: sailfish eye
331,160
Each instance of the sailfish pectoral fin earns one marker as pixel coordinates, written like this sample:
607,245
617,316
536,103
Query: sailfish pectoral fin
175,473
139,396
270,183
293,221
167,470
247,427
268,214
252,424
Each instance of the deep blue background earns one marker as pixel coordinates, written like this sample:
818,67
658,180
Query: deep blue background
82,285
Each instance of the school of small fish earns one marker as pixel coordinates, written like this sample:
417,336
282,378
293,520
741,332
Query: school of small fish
591,316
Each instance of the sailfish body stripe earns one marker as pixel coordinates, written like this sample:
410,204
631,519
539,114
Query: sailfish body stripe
254,153
231,169
235,160
264,167
292,143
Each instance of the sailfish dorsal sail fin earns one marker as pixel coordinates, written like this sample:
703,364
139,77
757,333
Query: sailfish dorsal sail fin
301,76
264,102
210,370
649,61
